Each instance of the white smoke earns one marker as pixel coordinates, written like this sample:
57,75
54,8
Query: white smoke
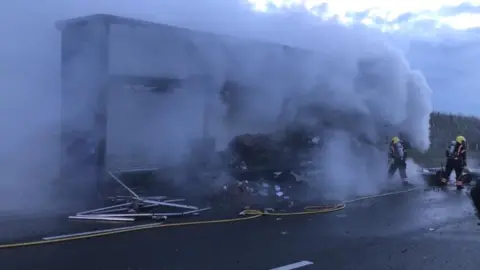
415,173
363,84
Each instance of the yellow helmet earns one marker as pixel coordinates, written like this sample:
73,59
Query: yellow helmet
460,139
395,139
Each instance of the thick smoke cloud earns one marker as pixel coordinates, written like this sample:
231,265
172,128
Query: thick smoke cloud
363,87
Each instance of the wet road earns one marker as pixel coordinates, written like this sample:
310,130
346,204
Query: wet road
415,230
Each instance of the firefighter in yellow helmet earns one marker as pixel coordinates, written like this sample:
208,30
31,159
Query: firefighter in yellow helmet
456,155
398,156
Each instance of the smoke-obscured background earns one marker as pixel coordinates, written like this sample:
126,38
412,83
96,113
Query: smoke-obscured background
361,81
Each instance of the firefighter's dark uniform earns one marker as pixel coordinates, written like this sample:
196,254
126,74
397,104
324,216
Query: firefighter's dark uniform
397,156
456,155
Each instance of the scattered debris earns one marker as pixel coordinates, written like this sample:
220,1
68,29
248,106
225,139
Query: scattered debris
135,207
261,188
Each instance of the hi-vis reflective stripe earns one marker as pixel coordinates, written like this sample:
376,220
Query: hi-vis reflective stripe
460,150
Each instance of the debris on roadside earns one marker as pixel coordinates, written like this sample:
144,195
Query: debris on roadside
259,189
135,206
263,193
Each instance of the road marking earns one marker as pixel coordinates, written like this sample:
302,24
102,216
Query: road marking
293,265
97,231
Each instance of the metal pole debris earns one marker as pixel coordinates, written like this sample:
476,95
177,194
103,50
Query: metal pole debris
159,203
114,207
97,232
123,185
131,208
94,217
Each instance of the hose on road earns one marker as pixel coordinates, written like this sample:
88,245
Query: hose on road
247,215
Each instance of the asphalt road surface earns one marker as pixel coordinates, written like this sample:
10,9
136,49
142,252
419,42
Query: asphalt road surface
414,230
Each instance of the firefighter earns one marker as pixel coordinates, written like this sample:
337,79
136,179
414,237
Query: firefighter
456,155
398,156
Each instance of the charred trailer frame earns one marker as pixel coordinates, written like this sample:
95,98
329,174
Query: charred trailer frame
90,60
88,81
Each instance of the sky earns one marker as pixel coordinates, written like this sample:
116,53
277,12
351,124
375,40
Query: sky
441,38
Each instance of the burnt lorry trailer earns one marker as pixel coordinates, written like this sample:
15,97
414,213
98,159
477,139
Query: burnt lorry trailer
117,72
114,74
118,78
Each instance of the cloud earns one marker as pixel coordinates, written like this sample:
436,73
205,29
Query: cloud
465,7
451,70
440,40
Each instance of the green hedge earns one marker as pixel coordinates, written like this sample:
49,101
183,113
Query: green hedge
443,129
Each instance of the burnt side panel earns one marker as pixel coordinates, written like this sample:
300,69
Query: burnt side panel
84,68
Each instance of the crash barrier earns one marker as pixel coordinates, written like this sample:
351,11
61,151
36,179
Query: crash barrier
248,214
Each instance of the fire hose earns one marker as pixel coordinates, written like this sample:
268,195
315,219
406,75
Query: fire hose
248,214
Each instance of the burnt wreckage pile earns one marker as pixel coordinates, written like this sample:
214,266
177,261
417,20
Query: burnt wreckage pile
433,176
270,166
276,156
263,165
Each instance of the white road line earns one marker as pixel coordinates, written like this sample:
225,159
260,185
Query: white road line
99,231
293,265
